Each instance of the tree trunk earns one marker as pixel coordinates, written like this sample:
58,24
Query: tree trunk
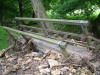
1,13
20,11
0,18
20,8
40,13
96,27
33,15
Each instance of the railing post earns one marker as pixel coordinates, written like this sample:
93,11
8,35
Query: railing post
63,48
87,34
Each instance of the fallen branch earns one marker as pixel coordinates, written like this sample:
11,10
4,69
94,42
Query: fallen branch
30,27
29,44
75,43
2,53
52,41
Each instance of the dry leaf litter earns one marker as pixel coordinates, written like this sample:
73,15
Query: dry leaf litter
38,63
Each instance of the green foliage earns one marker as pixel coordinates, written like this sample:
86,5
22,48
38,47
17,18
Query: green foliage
63,7
9,9
3,39
58,8
74,9
27,8
66,9
48,4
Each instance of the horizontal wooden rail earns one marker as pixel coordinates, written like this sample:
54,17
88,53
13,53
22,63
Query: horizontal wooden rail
65,33
71,22
54,31
56,42
30,27
61,44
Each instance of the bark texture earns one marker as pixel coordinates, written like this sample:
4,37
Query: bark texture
41,13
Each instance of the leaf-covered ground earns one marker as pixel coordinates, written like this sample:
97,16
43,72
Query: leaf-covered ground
37,63
25,58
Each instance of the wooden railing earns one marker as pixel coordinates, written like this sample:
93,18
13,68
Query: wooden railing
71,22
61,44
84,24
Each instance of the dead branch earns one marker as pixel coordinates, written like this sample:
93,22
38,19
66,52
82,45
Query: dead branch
2,53
29,44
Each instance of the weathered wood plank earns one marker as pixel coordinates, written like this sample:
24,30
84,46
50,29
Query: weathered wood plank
54,31
35,36
68,33
64,33
72,22
40,29
61,44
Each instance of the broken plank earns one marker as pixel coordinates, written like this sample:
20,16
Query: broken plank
61,44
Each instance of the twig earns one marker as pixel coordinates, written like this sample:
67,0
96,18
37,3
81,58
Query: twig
27,45
46,55
2,53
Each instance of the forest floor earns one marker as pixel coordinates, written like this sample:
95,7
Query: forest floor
44,59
